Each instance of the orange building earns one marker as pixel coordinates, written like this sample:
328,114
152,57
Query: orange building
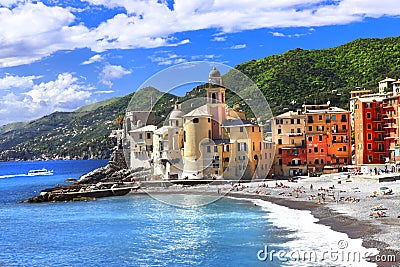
288,130
328,136
370,126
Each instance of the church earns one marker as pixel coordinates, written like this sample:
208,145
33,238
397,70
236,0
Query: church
211,141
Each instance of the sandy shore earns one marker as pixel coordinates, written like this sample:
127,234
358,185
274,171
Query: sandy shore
359,209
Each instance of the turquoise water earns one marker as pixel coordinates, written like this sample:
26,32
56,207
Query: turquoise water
131,230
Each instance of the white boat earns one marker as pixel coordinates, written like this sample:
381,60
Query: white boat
40,172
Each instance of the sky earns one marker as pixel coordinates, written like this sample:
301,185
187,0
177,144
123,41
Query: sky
58,55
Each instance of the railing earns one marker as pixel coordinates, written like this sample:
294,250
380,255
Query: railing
294,134
379,139
340,141
379,150
379,130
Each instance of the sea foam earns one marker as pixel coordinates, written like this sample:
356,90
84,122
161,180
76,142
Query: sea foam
307,237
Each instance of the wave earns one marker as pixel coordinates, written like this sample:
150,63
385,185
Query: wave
13,175
309,236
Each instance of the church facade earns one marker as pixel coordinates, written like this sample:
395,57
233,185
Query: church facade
211,141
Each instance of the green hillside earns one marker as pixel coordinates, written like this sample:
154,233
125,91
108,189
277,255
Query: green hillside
287,80
80,134
316,76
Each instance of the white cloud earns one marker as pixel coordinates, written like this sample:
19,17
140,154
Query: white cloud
238,46
112,72
66,93
104,92
219,39
11,81
296,35
31,31
95,58
169,59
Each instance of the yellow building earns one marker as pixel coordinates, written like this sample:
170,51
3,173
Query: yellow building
220,143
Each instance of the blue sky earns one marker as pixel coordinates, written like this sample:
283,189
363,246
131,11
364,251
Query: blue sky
59,55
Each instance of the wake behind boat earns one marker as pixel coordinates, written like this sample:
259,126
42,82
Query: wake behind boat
40,172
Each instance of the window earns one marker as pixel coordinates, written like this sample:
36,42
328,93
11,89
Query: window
310,128
252,129
320,138
369,136
242,147
241,129
320,117
226,148
369,146
369,127
344,127
298,121
310,139
344,148
215,148
298,130
148,135
196,120
279,141
228,130
279,131
368,115
184,136
140,136
322,150
208,149
291,121
315,149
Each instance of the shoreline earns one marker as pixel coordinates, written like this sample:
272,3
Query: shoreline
326,213
355,229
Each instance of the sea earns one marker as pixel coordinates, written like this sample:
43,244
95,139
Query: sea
138,230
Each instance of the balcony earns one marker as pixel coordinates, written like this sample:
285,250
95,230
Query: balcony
377,119
340,141
379,130
294,134
379,139
379,151
342,131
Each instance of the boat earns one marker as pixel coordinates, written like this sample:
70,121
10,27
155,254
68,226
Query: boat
40,172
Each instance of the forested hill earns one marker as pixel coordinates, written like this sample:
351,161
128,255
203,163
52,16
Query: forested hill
82,134
287,80
316,76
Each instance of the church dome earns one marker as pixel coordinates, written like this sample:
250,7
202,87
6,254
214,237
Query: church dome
176,114
214,73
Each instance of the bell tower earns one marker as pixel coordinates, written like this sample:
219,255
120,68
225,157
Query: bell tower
216,105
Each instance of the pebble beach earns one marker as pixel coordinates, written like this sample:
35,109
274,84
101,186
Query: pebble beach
367,210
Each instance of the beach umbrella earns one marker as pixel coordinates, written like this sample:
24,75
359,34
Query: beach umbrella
384,188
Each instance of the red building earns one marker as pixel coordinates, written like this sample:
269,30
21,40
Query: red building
370,127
